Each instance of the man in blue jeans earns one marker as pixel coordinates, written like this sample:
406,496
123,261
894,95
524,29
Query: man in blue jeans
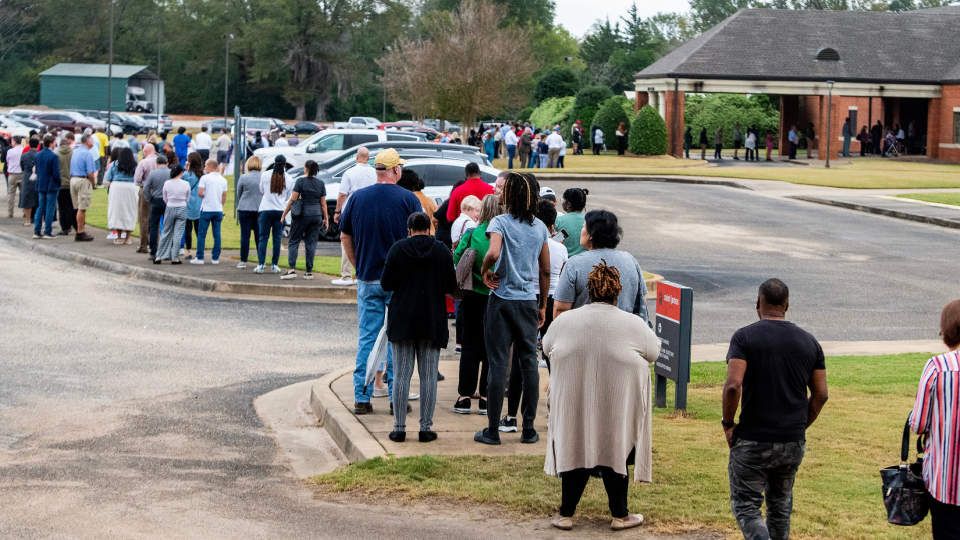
47,167
373,219
213,192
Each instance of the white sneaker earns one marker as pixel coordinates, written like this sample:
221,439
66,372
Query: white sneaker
381,392
542,363
413,397
215,261
196,261
258,269
241,265
289,275
182,251
342,282
274,269
112,236
308,275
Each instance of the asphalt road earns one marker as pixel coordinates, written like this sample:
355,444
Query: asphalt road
125,408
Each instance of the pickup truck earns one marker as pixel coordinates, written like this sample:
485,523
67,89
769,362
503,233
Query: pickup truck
358,122
326,144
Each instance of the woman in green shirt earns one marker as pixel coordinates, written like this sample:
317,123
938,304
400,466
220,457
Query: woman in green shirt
473,307
573,203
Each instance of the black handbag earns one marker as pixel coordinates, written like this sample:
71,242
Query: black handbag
904,493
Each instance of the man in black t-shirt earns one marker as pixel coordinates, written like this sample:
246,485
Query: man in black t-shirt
771,364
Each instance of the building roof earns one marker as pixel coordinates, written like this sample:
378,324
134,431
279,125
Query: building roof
919,47
99,71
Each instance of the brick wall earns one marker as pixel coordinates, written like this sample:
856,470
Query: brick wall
950,99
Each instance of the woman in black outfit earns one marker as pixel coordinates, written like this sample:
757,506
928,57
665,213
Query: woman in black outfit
622,139
440,220
307,226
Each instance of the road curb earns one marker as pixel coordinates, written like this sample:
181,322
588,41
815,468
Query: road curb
880,211
641,178
356,443
341,294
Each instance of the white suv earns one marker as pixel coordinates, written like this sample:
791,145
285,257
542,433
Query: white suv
328,143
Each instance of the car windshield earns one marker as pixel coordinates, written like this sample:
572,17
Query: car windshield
258,124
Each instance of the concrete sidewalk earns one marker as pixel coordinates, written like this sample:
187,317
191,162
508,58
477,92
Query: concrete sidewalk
887,205
222,278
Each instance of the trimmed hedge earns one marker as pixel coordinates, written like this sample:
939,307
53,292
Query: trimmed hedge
609,116
648,133
551,112
585,107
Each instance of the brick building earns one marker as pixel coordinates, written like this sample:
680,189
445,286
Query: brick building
897,68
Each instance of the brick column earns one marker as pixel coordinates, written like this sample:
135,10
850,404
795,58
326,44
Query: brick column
640,100
669,119
934,119
834,130
789,109
949,99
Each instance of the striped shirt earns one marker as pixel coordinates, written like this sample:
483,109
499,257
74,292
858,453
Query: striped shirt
937,413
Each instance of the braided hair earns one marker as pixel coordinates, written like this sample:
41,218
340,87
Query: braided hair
521,195
604,283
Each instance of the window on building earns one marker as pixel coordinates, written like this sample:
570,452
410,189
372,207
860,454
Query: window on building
854,129
956,127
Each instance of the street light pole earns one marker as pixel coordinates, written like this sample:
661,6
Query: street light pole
829,120
226,76
110,75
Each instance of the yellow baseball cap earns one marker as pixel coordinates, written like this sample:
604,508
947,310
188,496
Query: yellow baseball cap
389,158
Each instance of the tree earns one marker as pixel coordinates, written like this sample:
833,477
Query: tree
470,67
648,133
521,13
714,110
558,82
708,13
552,112
609,117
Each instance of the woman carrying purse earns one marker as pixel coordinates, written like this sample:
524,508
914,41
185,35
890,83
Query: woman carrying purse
307,206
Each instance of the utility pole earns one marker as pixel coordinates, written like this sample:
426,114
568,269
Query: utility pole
110,75
386,48
159,103
226,77
829,121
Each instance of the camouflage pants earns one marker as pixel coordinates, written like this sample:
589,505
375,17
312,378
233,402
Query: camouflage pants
758,470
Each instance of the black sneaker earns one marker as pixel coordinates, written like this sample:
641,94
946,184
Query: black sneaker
362,408
398,436
462,406
440,377
428,436
529,436
508,425
483,407
485,438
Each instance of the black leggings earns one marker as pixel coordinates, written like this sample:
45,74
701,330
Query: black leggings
575,481
515,389
473,358
945,519
193,227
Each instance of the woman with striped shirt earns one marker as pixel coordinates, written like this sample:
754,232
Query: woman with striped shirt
937,413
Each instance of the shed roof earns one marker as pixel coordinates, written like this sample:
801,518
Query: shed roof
770,44
99,71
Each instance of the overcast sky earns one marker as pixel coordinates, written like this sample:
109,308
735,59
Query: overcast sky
578,15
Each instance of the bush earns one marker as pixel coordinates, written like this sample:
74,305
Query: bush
558,82
585,107
609,116
648,133
552,111
713,110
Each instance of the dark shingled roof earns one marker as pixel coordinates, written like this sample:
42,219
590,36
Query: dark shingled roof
769,44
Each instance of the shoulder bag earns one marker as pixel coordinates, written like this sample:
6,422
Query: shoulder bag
465,269
296,207
904,493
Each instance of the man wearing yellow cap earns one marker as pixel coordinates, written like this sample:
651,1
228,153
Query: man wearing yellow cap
373,219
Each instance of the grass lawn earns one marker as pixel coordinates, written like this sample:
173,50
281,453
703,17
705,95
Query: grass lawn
865,173
942,198
837,493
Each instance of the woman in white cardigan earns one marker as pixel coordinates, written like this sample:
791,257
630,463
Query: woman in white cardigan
599,399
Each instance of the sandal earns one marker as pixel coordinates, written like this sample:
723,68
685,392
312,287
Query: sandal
128,241
118,242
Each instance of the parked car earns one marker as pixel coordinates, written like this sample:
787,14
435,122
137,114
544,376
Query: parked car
94,117
263,125
23,113
406,150
214,126
400,125
358,122
166,123
327,144
64,120
29,122
11,127
447,126
283,126
127,122
307,127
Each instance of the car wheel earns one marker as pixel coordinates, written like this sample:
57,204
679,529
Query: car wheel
139,108
331,234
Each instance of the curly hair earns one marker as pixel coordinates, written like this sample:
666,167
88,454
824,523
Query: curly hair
521,195
603,228
604,283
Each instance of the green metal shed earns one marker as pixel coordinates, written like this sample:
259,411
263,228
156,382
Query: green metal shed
84,86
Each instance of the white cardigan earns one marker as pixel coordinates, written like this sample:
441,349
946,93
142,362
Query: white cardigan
600,399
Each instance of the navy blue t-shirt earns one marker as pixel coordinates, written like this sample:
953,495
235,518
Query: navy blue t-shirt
376,217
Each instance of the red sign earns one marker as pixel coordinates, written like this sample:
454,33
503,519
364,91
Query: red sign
668,301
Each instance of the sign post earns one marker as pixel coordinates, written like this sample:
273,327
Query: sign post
674,317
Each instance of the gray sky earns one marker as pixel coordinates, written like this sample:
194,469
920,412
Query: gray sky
578,15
